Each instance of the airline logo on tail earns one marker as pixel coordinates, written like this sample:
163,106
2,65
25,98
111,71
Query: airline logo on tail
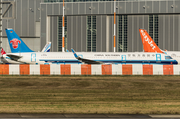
148,43
146,39
15,43
2,51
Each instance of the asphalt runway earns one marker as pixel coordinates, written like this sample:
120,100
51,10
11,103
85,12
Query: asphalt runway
87,116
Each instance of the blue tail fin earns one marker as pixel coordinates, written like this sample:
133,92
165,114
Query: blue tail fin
47,47
15,42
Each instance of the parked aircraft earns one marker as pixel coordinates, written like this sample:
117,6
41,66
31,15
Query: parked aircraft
5,59
14,41
124,58
150,46
84,57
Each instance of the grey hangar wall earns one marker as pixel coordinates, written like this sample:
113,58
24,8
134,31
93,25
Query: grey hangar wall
34,26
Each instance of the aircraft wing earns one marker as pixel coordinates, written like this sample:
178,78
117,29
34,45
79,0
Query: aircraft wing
87,61
14,57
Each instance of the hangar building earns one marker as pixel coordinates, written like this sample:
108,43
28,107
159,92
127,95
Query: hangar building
89,24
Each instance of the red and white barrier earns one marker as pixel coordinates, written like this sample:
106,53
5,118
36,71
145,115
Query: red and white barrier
84,69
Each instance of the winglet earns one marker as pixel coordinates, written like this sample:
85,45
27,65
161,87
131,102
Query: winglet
75,55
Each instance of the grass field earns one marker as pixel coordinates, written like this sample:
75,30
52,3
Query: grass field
88,94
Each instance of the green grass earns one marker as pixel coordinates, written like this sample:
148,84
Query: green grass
90,94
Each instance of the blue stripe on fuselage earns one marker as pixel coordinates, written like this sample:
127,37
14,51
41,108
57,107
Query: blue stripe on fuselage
116,61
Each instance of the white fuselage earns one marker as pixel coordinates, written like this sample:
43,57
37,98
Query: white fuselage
105,57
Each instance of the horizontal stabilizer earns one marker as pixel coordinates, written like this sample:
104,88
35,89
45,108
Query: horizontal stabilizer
14,57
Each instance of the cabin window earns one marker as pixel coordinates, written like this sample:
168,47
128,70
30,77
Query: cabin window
153,55
168,57
139,55
134,55
148,55
143,55
129,55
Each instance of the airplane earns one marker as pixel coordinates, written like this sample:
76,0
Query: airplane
124,58
150,46
7,60
85,57
14,47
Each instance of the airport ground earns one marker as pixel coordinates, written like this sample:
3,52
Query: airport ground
90,94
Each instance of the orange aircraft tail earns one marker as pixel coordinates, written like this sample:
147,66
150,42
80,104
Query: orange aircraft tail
148,43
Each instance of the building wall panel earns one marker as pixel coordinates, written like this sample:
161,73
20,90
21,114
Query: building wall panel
88,8
49,7
170,9
24,18
176,29
54,34
155,6
121,8
82,8
43,25
135,7
163,9
31,19
78,37
149,6
176,6
75,8
142,4
109,7
83,33
56,10
37,10
101,8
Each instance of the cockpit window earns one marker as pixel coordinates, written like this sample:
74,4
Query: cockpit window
168,57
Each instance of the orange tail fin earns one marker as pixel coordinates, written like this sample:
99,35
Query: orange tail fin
148,43
2,52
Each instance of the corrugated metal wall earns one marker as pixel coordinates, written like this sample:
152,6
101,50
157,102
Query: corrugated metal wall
134,23
169,32
27,14
138,17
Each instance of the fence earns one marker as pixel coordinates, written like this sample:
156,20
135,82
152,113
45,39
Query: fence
84,69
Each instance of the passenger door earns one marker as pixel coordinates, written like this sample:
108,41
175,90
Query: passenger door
158,58
33,57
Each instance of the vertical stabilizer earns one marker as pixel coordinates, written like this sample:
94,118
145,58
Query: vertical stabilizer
148,43
15,42
47,47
